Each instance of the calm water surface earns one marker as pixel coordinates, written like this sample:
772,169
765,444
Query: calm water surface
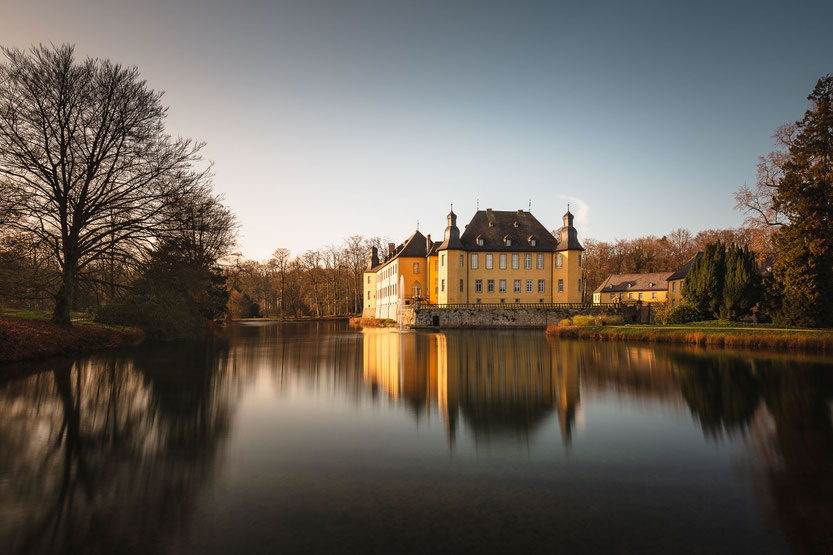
315,437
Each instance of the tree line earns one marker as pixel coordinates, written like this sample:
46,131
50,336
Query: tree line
317,282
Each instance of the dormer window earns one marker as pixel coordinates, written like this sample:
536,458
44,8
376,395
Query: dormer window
532,242
480,241
507,241
516,224
491,224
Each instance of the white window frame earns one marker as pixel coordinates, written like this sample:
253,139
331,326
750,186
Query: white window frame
540,261
502,261
474,261
527,261
560,285
489,261
529,286
478,286
501,286
542,284
517,286
559,260
515,261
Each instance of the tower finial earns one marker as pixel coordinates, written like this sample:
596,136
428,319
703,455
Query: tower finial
530,205
478,204
417,225
568,207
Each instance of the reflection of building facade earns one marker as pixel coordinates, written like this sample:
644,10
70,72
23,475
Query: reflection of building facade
501,257
498,385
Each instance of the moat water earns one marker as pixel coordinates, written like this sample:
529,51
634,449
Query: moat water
318,438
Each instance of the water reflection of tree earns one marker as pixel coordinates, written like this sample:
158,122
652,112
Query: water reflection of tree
110,453
785,410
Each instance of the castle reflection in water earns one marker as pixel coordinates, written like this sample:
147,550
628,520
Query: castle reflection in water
500,385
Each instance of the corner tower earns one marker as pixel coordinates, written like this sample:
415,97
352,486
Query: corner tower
452,286
568,274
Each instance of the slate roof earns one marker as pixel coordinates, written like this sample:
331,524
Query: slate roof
657,281
494,226
682,271
413,247
435,248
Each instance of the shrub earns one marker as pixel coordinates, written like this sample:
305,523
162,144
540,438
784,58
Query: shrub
682,314
565,322
160,318
597,320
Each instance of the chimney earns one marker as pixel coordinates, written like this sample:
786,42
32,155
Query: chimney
428,243
391,249
374,258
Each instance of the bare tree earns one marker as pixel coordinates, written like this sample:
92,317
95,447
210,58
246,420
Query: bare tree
91,170
281,258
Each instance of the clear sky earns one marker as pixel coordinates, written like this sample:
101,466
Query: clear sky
331,118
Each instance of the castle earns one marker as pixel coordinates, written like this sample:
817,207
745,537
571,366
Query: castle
501,257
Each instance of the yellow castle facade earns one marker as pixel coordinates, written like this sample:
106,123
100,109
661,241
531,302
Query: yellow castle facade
502,257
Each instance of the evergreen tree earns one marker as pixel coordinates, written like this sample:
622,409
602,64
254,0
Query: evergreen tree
703,288
742,283
805,195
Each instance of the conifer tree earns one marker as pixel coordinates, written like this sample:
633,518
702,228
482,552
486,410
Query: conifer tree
703,288
742,283
805,195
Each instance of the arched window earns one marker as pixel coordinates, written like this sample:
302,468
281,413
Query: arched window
559,260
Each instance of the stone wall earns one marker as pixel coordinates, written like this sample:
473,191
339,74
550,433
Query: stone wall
410,316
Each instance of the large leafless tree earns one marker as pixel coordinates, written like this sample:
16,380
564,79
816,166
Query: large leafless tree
84,154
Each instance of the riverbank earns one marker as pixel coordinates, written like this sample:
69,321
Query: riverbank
301,319
712,335
357,322
27,338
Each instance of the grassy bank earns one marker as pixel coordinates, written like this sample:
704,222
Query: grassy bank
371,323
25,336
719,335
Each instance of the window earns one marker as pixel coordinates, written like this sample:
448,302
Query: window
517,301
478,301
613,296
490,286
480,241
517,287
502,261
368,295
474,261
488,261
640,296
579,285
527,262
529,286
442,285
462,284
416,267
478,286
559,260
502,286
654,295
442,260
673,286
502,301
630,295
368,279
515,261
560,285
508,242
579,260
462,260
541,285
532,242
540,265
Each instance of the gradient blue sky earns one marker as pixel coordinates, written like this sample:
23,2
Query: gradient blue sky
330,118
